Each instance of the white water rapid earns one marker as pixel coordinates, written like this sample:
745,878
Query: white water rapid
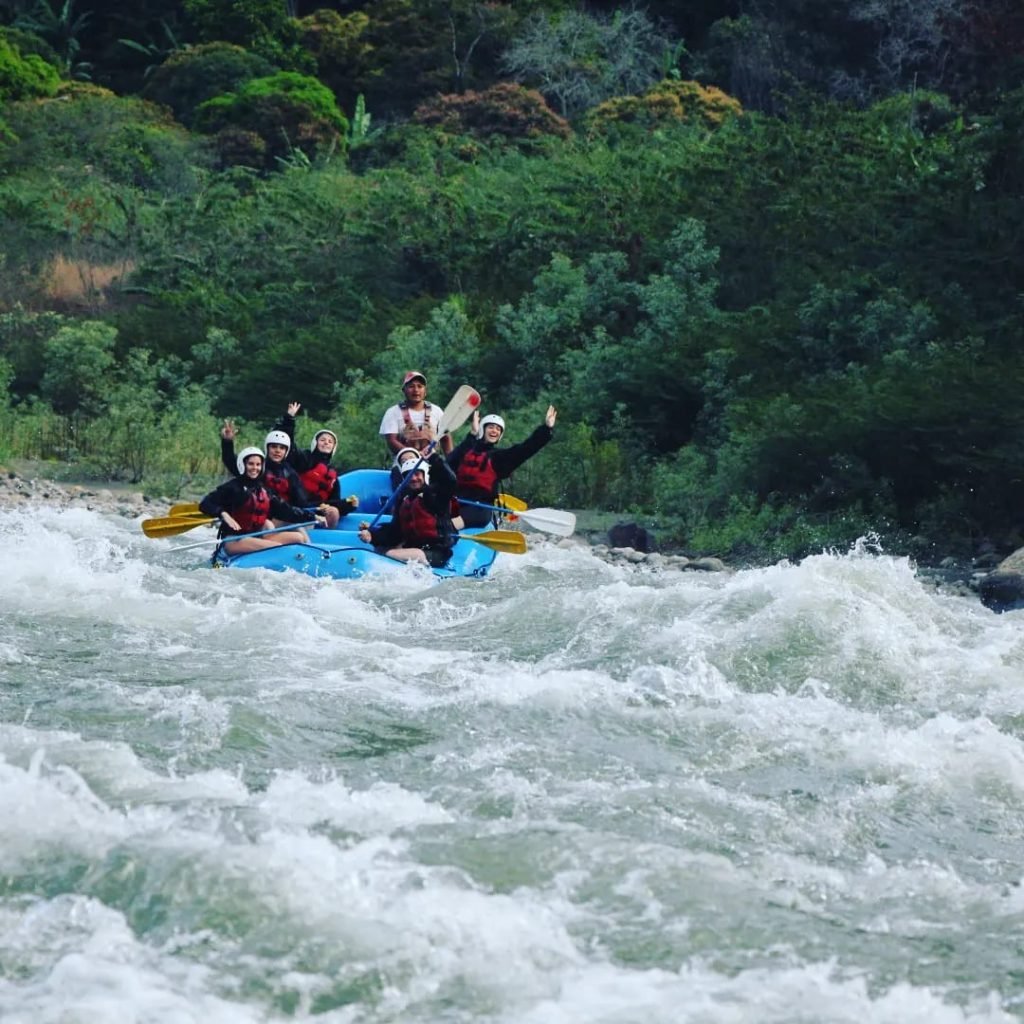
572,793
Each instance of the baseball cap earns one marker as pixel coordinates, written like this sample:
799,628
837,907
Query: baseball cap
412,375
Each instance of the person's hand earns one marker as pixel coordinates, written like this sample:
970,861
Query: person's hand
229,520
475,422
549,419
320,520
353,500
364,536
228,431
322,508
293,409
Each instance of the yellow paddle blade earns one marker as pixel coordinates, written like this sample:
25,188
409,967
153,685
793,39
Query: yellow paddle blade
506,541
513,504
171,526
188,508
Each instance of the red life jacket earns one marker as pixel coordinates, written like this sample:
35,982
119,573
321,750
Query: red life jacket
413,436
319,480
252,514
277,481
476,476
418,523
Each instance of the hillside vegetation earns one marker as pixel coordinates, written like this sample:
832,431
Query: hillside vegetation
765,256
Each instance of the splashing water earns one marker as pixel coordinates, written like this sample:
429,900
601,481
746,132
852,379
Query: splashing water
570,793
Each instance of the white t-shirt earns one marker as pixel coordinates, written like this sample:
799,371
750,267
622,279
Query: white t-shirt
394,421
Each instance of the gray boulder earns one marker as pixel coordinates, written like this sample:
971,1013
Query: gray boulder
630,535
1002,589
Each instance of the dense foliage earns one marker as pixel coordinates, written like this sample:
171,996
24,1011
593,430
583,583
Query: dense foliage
766,258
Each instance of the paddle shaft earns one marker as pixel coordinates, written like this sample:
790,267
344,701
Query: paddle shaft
192,510
406,478
548,520
242,536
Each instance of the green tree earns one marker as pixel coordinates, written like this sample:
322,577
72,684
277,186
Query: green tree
286,111
57,23
416,48
130,427
341,48
79,359
215,359
22,77
261,26
187,78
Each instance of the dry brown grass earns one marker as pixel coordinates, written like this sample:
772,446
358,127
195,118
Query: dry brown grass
81,283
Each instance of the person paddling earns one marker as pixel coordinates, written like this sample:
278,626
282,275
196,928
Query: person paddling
421,525
243,505
480,465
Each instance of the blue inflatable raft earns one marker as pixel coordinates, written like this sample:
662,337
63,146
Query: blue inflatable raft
339,553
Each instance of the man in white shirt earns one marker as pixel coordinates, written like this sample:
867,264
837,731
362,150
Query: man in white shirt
413,422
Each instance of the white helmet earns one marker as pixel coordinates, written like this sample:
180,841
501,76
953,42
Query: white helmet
421,468
316,437
403,455
277,437
243,455
496,420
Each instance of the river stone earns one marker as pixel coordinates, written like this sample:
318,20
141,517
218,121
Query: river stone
630,535
707,564
1002,590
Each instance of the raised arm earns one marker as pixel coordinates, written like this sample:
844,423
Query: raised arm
228,433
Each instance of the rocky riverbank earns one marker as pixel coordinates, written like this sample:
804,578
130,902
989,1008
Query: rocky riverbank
18,489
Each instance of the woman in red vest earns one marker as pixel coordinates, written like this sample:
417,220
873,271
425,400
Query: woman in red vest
316,474
480,465
244,504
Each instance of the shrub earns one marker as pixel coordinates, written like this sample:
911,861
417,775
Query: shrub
668,101
79,360
338,45
506,109
190,77
22,77
288,111
28,43
127,140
